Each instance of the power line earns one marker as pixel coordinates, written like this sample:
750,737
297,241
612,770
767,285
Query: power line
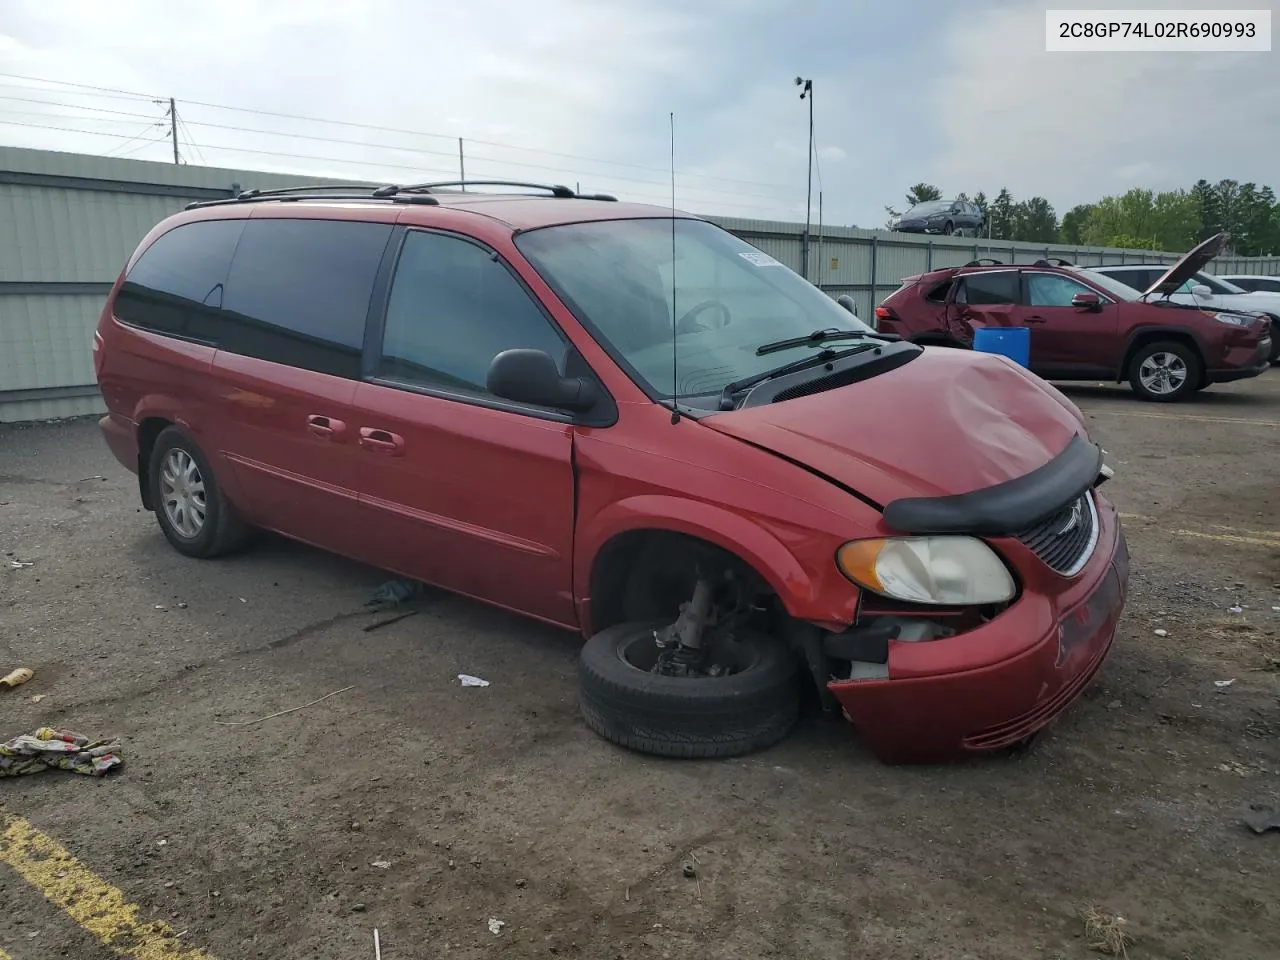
400,130
76,106
449,172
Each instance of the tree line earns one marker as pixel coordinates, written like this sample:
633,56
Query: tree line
1140,219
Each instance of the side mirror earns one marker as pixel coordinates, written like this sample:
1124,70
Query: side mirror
1200,290
846,301
531,376
1087,301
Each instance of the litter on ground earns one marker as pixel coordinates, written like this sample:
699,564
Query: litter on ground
50,749
17,678
469,681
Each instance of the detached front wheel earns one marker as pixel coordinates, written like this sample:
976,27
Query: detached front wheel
747,697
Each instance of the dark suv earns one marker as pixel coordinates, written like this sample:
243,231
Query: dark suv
1085,325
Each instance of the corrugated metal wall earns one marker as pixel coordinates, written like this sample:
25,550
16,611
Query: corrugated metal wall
68,223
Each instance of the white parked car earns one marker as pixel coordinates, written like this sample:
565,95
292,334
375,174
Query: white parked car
1251,282
1204,290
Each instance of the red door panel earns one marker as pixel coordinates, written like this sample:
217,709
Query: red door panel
475,500
289,436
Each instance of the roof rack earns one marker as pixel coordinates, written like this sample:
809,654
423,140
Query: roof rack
319,191
1053,262
556,190
985,261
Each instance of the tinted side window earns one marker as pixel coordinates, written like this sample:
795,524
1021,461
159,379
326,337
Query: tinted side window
1138,279
991,288
1052,290
299,292
453,308
176,286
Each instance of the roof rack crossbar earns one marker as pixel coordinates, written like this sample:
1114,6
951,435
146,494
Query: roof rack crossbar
313,188
250,196
1053,262
556,190
984,261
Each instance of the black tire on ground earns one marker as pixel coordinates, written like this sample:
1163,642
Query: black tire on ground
949,229
221,530
687,716
1175,352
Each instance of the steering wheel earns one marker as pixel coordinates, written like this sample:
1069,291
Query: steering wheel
688,323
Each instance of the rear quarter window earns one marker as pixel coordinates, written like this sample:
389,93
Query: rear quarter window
176,285
298,292
938,292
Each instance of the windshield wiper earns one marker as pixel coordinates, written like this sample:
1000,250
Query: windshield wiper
818,336
821,357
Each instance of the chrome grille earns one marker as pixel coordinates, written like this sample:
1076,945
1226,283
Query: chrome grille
1065,540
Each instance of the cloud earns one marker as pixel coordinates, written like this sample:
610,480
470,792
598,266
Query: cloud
1073,127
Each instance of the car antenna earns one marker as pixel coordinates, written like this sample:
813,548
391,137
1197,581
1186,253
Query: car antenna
675,397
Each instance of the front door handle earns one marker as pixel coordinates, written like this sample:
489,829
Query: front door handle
326,427
383,441
1035,319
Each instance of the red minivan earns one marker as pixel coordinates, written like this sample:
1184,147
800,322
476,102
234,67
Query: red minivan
628,423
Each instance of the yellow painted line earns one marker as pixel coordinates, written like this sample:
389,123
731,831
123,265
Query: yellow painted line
86,898
4,956
1244,535
1186,416
1228,538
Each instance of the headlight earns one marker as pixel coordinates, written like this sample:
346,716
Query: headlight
941,570
1233,318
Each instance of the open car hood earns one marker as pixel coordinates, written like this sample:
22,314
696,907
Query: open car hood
1191,263
949,422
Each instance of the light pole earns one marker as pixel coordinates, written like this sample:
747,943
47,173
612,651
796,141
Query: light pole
806,92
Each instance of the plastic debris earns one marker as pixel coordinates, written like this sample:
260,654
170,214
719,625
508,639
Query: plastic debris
377,945
381,864
50,749
1236,609
395,591
1224,683
38,697
469,681
1162,633
495,925
19,564
1263,819
17,678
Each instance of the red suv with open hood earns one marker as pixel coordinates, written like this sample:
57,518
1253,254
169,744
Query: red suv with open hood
1086,325
630,424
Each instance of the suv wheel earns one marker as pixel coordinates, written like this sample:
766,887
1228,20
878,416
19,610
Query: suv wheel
193,514
751,705
949,229
1164,371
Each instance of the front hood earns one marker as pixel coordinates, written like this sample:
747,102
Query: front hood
1190,264
1260,301
948,422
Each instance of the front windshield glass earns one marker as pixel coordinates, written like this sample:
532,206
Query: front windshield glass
931,207
1117,289
726,298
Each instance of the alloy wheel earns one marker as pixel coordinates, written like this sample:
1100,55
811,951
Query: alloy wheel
182,493
1163,373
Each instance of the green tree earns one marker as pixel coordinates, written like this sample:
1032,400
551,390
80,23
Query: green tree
1175,221
980,201
922,192
1074,222
1034,221
1001,216
1209,208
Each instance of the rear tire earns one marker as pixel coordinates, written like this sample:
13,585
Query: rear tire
949,229
192,512
687,716
1165,371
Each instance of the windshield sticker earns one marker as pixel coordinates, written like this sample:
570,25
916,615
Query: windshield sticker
759,259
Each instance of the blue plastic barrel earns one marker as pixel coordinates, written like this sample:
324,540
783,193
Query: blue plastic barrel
1011,342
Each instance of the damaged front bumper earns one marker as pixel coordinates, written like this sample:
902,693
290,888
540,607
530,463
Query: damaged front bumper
997,684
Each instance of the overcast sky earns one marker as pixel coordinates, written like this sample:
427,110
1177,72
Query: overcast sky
961,94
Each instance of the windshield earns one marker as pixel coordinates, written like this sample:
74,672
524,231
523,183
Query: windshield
727,298
1117,289
931,207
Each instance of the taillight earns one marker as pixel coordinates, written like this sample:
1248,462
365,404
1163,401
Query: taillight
884,313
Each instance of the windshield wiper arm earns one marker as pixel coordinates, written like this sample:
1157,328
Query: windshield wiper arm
822,356
818,336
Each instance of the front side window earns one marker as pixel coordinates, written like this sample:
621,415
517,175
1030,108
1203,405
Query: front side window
1111,284
713,304
299,292
988,289
1052,289
453,308
176,286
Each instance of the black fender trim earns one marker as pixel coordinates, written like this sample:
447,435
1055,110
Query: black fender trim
1006,507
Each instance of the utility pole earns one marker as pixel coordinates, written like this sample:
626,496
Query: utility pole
462,166
173,129
806,92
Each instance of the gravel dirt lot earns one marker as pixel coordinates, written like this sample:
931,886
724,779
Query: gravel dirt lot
497,802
